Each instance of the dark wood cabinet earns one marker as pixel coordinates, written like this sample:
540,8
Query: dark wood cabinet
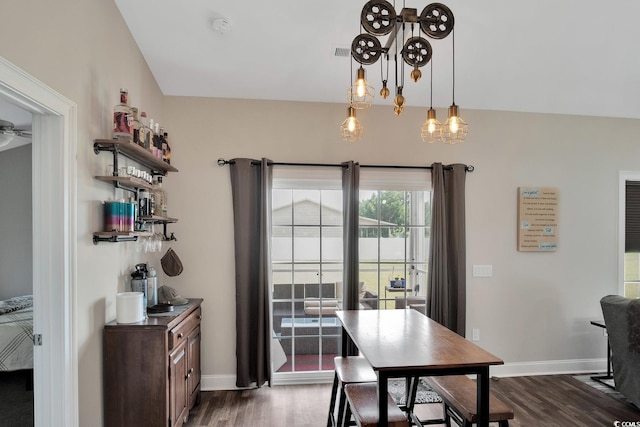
152,369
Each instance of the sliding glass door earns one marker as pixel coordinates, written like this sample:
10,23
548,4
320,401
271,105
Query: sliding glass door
307,251
307,272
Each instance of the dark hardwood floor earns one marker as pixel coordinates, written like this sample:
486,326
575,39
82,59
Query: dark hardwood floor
538,401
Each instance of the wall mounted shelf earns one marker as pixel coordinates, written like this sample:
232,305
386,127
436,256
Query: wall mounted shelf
133,151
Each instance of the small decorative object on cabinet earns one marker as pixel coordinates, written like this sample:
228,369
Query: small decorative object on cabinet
152,369
133,184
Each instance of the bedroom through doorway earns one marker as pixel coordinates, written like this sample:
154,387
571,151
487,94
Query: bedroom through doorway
16,267
54,240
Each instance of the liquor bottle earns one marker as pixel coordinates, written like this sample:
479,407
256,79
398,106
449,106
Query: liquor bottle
151,127
157,145
144,132
122,118
143,203
163,144
136,125
167,149
160,197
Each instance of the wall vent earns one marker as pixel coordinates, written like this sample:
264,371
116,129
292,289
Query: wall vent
343,52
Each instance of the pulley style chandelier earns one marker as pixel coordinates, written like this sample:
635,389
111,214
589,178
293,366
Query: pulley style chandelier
405,45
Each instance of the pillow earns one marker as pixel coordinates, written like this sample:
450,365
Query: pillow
16,303
363,289
315,302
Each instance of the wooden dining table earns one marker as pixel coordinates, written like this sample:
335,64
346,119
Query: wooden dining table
404,343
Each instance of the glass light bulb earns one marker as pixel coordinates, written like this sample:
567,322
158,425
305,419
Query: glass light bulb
360,87
352,124
431,126
453,124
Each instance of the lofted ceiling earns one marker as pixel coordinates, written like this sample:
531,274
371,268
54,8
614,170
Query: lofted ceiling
567,57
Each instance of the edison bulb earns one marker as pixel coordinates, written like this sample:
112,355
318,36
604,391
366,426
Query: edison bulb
360,88
351,125
453,124
431,126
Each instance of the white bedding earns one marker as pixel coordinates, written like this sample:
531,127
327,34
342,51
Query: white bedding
16,340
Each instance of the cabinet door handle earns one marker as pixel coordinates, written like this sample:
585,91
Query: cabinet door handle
180,335
199,316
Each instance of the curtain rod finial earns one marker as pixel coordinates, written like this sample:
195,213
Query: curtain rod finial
470,168
222,162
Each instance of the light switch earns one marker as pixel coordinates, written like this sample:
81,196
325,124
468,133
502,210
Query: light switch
483,271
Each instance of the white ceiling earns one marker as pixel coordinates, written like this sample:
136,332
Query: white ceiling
572,56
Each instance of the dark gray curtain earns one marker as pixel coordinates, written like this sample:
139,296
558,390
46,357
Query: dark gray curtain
251,187
632,217
447,287
350,206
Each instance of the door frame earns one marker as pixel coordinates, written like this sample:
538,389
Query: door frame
54,243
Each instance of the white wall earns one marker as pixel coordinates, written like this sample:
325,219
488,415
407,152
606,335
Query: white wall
16,248
535,310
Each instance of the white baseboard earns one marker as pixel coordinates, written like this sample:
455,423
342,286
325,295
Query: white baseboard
549,367
517,369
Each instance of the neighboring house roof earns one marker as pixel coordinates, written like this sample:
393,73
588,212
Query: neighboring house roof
307,212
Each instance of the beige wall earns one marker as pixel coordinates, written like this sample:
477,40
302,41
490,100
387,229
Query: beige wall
84,50
535,308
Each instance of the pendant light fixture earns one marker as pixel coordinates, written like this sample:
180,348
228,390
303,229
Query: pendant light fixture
379,18
351,129
431,130
360,94
455,129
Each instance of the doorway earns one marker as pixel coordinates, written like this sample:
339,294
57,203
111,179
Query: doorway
54,243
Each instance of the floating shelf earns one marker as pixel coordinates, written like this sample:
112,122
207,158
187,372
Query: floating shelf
119,236
157,219
126,181
133,151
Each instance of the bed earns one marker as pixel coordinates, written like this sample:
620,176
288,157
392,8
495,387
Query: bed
16,333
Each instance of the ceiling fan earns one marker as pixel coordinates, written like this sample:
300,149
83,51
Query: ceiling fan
8,132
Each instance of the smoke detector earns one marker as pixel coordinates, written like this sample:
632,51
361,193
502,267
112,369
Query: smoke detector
221,25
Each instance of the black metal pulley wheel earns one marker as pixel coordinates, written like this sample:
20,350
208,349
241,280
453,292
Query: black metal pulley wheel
417,51
378,17
436,20
366,49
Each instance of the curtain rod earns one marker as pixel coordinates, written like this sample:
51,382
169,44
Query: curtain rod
223,162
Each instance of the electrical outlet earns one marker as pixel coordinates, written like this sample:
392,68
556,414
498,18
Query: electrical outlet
476,335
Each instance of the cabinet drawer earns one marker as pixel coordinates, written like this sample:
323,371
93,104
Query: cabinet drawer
179,334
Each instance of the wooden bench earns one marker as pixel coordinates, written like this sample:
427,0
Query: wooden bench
458,393
363,404
348,370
